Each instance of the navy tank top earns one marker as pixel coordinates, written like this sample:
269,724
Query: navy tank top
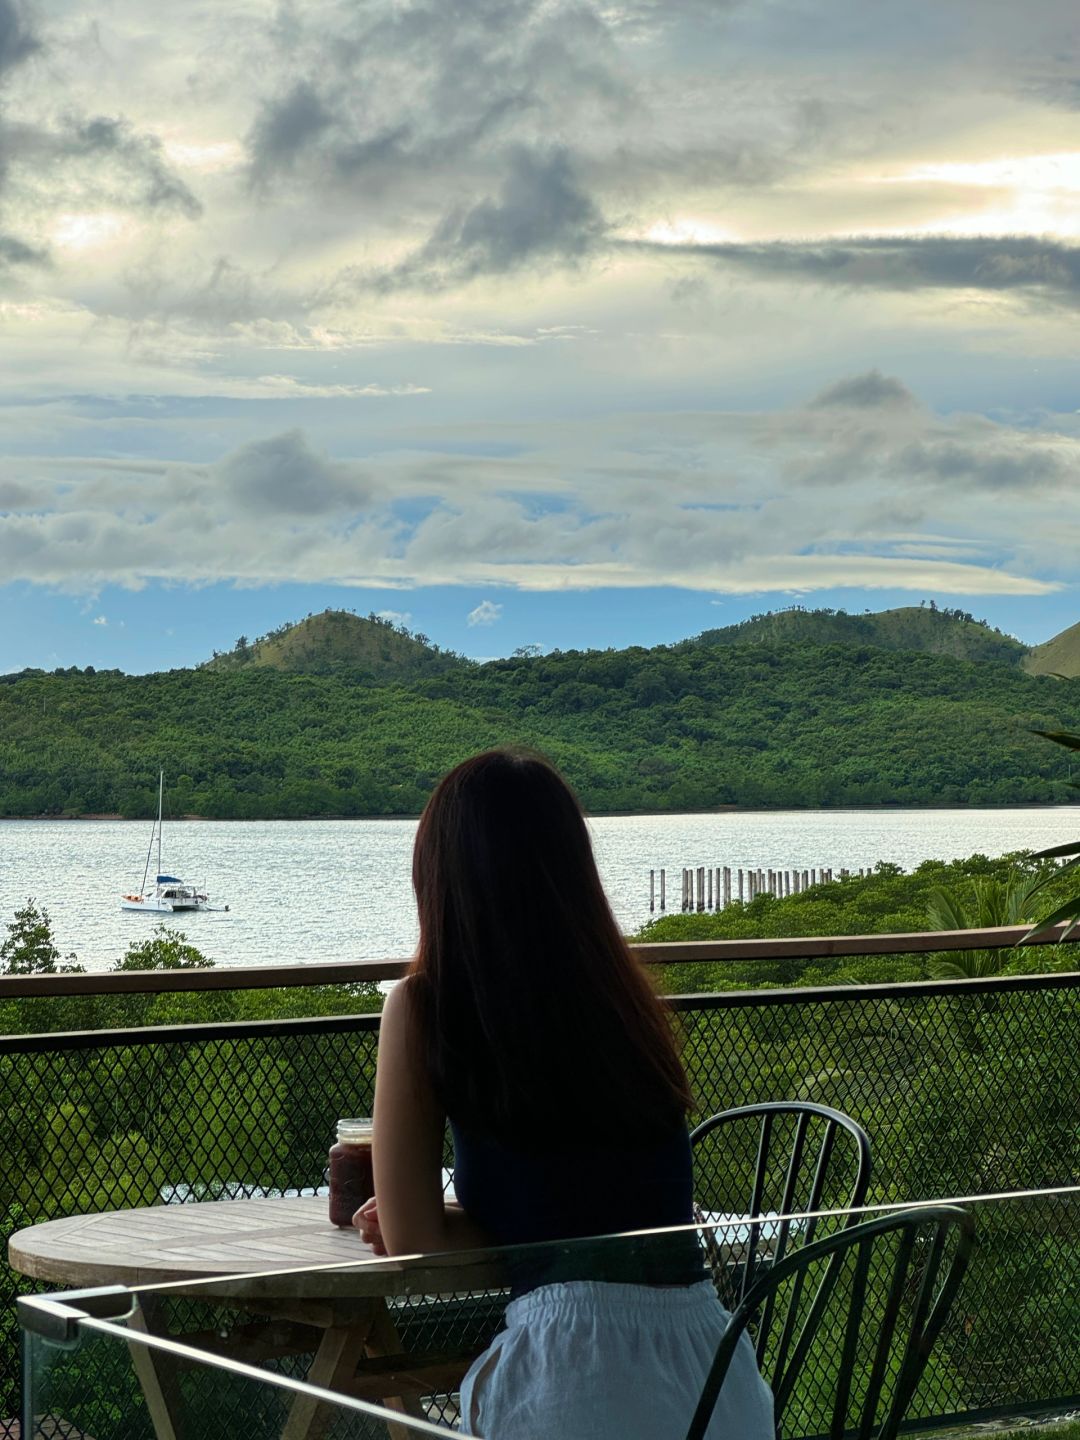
520,1196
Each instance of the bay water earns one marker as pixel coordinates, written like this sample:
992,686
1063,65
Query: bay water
316,890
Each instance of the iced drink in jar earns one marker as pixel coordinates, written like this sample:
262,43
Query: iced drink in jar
352,1179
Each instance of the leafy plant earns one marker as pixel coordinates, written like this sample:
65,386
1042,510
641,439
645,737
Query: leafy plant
991,901
1069,852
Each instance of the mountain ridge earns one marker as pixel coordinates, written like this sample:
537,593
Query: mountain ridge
337,640
930,630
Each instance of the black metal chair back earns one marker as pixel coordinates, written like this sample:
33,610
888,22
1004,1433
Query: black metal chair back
870,1304
802,1157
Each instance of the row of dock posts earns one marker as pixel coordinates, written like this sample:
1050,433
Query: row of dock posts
711,887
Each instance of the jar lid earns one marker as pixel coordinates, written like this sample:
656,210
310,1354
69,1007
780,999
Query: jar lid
355,1131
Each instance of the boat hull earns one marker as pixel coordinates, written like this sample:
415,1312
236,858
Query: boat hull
151,905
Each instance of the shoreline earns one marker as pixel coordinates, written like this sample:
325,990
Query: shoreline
589,814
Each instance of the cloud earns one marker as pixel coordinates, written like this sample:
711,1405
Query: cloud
284,128
406,196
540,215
16,496
140,155
858,491
16,252
865,391
284,476
129,166
18,40
494,74
395,617
486,613
100,620
985,262
287,387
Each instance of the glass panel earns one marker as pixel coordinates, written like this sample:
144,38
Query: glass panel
112,1383
405,1330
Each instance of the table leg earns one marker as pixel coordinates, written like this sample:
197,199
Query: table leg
383,1339
334,1365
156,1377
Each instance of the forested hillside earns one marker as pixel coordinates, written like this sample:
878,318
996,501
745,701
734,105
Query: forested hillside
928,628
685,727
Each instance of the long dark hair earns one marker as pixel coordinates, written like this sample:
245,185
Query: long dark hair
532,1009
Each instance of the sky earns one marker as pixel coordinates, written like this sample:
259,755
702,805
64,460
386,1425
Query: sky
566,323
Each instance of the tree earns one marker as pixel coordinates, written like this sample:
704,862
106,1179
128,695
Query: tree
165,950
30,949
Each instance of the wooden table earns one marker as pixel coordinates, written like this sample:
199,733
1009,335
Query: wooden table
272,1245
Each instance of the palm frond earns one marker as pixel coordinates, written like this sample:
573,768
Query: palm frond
1060,737
1069,911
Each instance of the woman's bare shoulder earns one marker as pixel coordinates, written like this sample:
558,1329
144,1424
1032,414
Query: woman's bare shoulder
399,1010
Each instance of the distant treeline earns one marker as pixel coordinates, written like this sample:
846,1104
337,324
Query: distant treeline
687,727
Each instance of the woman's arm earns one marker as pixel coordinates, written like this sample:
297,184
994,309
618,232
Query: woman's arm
408,1146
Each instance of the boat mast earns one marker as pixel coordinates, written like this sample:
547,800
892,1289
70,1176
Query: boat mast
160,792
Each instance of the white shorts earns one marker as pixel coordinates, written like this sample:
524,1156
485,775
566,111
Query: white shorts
588,1360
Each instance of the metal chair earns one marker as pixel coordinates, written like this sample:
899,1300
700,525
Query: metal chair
808,1157
829,1313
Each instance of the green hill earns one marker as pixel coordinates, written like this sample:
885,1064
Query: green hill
337,640
1059,656
930,630
684,727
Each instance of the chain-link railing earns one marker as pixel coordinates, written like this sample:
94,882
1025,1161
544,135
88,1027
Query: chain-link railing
965,1088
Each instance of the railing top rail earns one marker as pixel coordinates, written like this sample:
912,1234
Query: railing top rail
351,972
907,991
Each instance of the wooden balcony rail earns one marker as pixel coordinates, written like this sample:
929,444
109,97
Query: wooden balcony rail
352,972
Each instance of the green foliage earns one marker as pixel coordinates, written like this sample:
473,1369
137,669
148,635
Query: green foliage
989,901
888,901
165,950
79,1170
936,631
694,726
1070,910
29,948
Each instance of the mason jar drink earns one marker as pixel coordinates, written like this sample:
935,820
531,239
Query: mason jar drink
352,1179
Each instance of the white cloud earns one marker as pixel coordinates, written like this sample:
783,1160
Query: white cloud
395,617
486,613
100,620
860,486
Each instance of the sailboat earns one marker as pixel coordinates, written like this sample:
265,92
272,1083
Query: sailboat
168,894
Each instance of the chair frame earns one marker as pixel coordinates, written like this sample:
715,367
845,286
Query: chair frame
805,1112
928,1316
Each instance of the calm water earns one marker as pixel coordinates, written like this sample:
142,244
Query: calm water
339,889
